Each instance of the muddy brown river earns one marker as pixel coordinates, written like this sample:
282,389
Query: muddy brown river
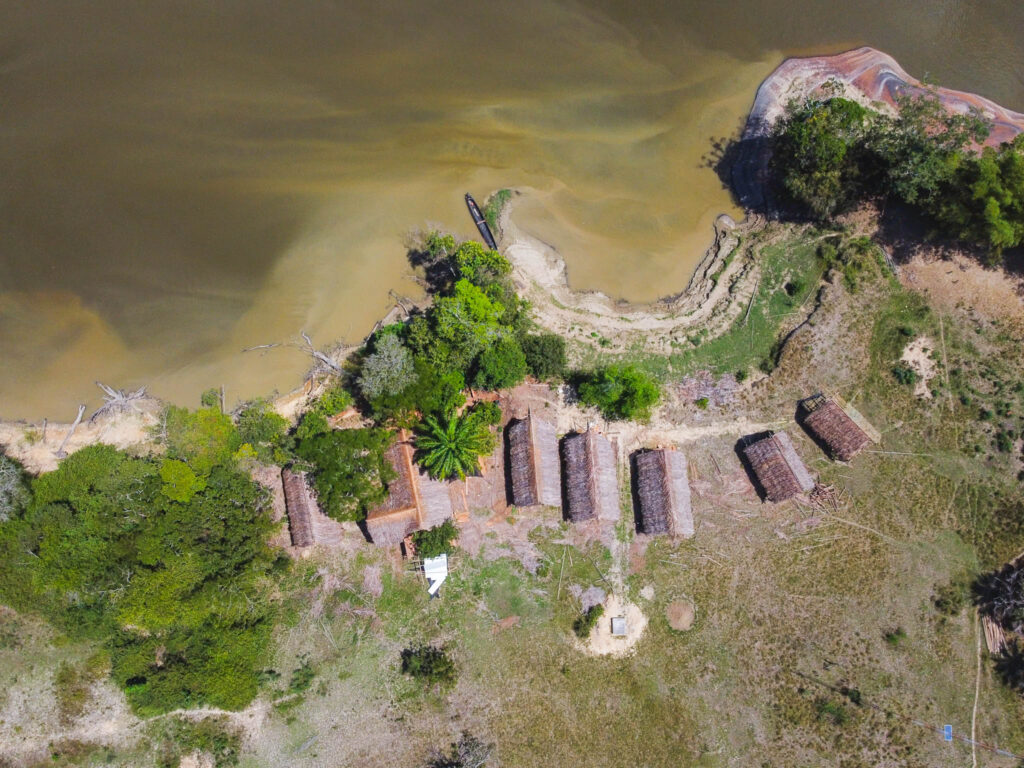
182,180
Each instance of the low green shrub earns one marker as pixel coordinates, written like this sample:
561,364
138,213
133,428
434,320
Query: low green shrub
430,664
587,620
904,374
436,541
620,392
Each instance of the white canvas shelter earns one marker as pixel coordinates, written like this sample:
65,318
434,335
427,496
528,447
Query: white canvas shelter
436,571
619,626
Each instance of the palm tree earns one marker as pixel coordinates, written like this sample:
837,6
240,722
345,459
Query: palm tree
451,447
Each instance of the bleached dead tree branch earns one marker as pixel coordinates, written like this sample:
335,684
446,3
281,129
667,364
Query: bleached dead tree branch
118,401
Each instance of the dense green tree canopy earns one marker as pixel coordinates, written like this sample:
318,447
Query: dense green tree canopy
350,471
500,366
480,265
388,370
545,355
262,428
203,438
819,151
161,563
832,153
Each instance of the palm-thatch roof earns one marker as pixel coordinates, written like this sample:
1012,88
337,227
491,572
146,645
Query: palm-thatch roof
591,486
663,493
779,470
300,507
838,425
415,501
533,464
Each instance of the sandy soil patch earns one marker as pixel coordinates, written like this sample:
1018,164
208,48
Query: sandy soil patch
36,445
917,355
197,760
602,643
958,282
680,615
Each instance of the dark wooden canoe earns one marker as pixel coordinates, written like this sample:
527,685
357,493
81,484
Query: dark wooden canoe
481,222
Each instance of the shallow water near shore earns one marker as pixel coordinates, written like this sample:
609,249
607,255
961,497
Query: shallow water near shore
181,182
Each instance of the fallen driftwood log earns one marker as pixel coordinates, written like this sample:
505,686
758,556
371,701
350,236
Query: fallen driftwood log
60,453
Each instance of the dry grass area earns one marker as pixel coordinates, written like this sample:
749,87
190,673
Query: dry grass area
814,638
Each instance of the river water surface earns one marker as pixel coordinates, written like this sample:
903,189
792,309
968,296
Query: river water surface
179,181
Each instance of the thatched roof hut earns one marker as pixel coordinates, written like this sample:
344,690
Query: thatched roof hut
838,425
778,468
663,493
300,507
533,464
415,501
591,485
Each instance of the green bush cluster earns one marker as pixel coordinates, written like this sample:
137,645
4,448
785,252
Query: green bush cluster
263,429
904,374
349,469
14,493
831,153
177,737
620,392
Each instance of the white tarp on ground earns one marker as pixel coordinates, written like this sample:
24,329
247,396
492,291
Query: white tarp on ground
436,571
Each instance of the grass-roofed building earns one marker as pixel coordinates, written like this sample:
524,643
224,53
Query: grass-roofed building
300,507
591,484
533,464
779,470
838,426
415,500
663,493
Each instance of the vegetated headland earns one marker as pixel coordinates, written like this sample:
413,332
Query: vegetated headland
645,546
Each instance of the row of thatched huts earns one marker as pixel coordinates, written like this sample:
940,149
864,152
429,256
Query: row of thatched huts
580,475
585,482
835,424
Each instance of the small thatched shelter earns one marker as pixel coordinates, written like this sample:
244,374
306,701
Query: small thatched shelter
663,493
533,464
415,501
591,486
838,425
300,507
778,468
